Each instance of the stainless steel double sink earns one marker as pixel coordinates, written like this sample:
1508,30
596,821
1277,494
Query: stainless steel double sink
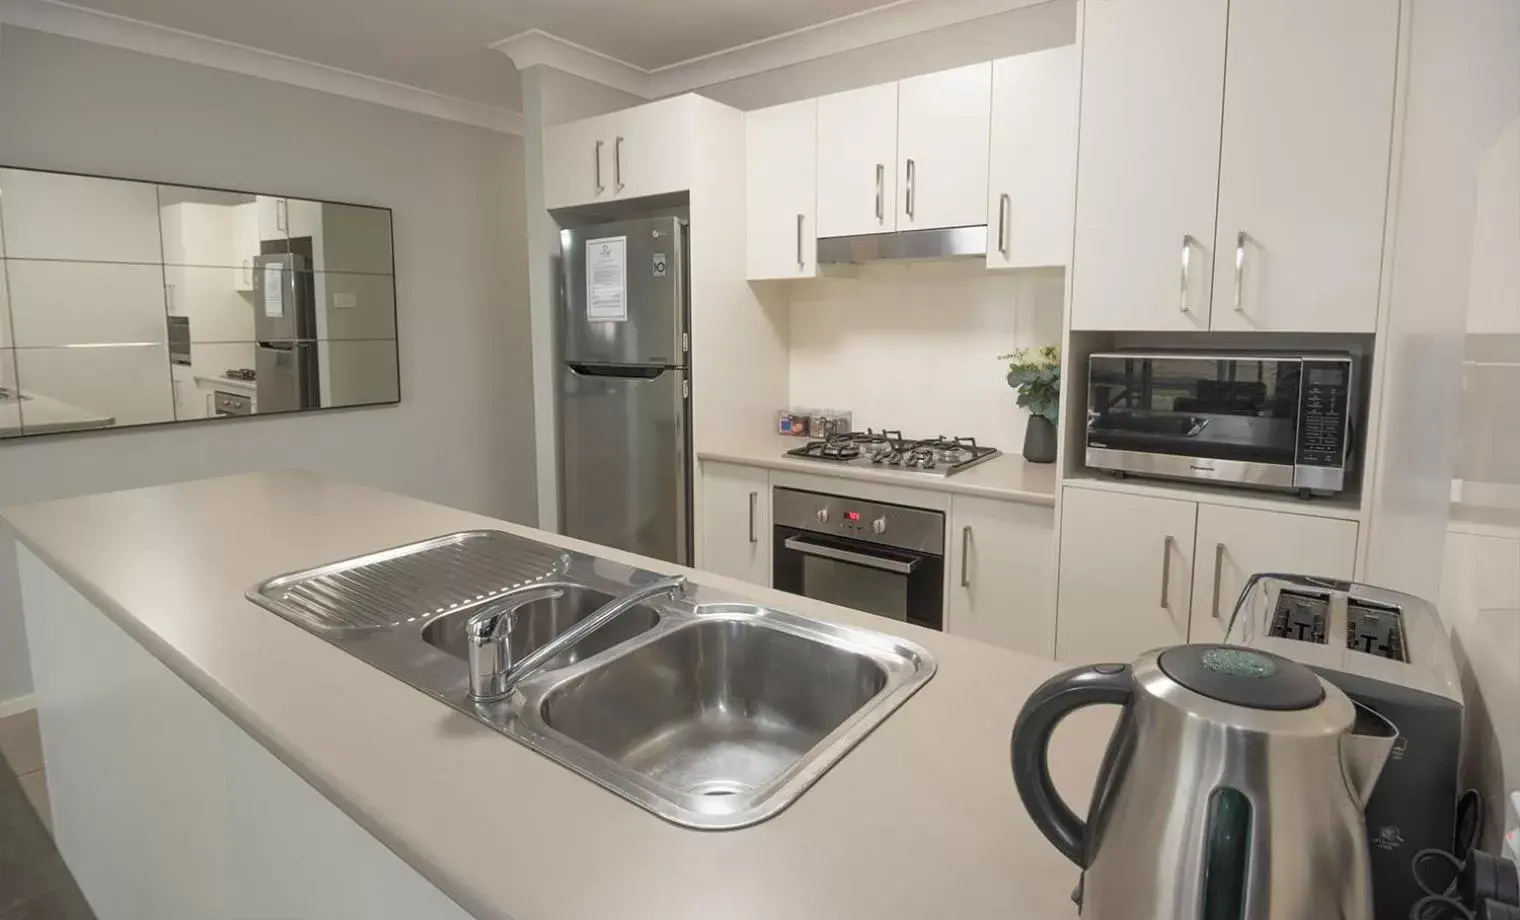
708,711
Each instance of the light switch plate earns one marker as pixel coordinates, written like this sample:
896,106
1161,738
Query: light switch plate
345,301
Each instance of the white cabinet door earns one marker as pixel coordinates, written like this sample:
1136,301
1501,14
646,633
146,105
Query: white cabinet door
273,215
1032,174
781,191
245,243
1303,172
577,164
1001,561
1126,574
857,157
650,147
1236,543
944,123
736,522
1148,166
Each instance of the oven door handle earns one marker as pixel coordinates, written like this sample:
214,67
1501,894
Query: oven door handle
843,555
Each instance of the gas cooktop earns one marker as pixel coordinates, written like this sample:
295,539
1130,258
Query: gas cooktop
888,449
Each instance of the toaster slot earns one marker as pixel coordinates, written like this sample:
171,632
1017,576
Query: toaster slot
1300,615
1377,629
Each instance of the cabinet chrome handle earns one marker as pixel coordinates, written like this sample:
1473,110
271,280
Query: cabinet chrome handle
912,172
753,498
965,556
1004,210
801,263
1218,570
599,186
281,215
617,165
881,184
1240,267
1166,571
1187,268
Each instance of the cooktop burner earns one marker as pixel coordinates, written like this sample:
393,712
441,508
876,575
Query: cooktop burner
888,448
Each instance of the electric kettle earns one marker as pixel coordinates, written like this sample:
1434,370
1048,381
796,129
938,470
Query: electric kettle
1232,788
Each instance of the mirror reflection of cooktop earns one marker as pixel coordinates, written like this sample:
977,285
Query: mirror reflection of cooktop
888,449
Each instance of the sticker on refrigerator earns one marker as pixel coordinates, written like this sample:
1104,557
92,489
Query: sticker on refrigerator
274,291
607,279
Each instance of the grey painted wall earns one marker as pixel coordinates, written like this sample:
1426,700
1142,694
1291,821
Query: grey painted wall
463,434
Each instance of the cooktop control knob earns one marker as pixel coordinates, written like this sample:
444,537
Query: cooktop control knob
823,515
879,525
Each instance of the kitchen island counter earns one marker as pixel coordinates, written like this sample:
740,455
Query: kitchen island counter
920,820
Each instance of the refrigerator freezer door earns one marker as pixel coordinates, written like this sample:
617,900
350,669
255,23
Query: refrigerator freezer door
623,454
282,309
625,293
286,376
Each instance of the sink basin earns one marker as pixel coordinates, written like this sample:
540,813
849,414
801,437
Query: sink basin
724,720
708,712
543,619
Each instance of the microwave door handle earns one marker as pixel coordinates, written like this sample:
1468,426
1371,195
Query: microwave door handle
807,548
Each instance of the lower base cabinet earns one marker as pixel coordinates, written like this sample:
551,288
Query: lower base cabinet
164,808
1000,558
1139,572
735,530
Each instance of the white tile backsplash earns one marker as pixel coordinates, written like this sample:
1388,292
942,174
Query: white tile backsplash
915,346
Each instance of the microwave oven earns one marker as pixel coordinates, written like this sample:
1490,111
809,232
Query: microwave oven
1270,420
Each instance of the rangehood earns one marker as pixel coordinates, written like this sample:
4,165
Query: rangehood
949,243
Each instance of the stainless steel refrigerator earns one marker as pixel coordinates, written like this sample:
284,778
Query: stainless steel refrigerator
285,330
625,393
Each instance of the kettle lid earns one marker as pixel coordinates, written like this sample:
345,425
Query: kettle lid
1243,677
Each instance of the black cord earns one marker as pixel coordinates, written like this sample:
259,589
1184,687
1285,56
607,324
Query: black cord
1439,907
1440,902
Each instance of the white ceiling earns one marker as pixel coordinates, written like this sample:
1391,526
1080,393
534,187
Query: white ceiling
443,45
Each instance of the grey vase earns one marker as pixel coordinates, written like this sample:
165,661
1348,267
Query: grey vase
1040,440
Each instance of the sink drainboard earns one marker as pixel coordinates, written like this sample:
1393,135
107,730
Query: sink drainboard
412,583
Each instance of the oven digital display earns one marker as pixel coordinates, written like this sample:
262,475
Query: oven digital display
852,515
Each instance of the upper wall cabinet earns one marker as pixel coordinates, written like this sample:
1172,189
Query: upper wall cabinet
944,121
632,153
857,161
905,156
1148,165
1291,145
1032,175
781,191
1303,174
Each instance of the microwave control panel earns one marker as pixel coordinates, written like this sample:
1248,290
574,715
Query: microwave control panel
1324,403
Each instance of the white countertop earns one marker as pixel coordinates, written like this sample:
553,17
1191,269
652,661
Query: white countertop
920,820
1007,476
42,415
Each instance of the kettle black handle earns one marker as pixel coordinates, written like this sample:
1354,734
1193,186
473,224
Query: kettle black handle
1056,699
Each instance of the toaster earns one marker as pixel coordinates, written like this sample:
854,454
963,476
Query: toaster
1389,652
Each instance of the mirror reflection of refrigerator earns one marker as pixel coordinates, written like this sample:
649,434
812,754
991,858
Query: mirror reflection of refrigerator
285,333
625,442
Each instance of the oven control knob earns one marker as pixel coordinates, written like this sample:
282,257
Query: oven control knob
822,515
879,525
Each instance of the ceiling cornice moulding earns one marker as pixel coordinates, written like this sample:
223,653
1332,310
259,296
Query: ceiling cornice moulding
117,31
849,33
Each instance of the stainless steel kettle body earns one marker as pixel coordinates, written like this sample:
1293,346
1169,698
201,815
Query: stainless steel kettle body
1232,788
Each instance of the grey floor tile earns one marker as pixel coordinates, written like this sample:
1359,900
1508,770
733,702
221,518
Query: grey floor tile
20,742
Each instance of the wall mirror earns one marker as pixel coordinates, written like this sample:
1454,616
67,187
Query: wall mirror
135,303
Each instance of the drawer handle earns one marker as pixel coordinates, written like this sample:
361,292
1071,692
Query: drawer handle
617,165
1187,268
800,262
1004,213
1240,267
754,497
965,556
1218,570
1166,571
